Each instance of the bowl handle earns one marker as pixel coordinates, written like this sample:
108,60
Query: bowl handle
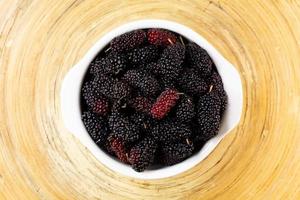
233,87
70,99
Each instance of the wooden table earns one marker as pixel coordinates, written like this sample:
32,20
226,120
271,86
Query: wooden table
40,40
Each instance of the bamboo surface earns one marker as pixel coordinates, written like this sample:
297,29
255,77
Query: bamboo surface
40,40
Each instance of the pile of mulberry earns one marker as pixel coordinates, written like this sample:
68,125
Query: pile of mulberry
152,97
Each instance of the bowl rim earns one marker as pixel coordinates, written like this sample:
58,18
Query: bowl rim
71,111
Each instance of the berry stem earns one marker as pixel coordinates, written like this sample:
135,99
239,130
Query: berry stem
181,40
188,141
210,88
145,125
107,50
169,40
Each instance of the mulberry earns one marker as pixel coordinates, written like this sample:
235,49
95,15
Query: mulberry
192,84
122,128
141,104
161,37
103,85
128,41
173,153
170,130
208,114
164,103
120,90
97,66
216,85
185,110
143,55
96,127
119,148
142,81
95,100
199,59
142,154
171,61
114,64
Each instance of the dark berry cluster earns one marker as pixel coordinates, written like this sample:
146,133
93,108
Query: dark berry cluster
150,98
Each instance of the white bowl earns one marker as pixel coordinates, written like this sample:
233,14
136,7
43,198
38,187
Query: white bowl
70,100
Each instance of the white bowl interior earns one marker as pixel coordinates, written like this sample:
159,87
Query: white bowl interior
70,100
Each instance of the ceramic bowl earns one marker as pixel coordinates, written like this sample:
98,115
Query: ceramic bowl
71,112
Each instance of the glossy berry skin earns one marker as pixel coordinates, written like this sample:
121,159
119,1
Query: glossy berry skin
121,127
128,41
103,84
164,103
185,110
95,100
96,127
167,83
191,83
101,106
114,64
199,59
97,66
120,90
142,154
208,114
161,37
143,55
141,104
173,153
170,131
152,67
110,88
142,81
144,122
216,85
118,147
171,62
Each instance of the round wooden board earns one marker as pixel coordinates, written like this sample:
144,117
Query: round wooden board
40,40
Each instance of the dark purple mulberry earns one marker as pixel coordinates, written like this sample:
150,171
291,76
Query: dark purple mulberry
152,67
208,114
216,85
144,122
185,110
96,127
171,61
121,127
199,59
103,85
142,81
170,130
128,41
172,153
197,135
142,154
120,90
97,66
114,64
167,83
95,100
191,83
143,55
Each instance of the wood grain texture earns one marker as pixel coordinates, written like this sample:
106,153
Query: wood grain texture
40,40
